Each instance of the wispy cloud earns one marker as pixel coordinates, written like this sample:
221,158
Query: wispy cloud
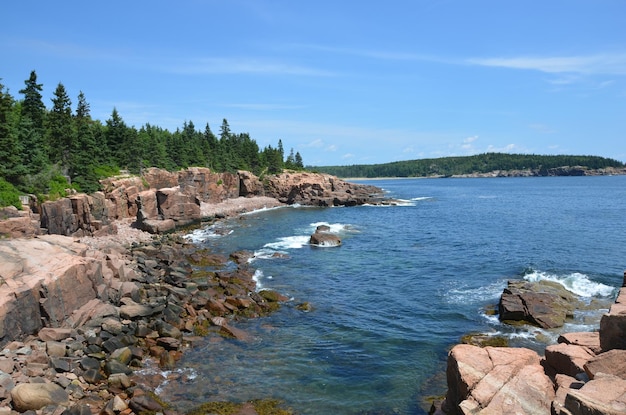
229,65
591,64
264,107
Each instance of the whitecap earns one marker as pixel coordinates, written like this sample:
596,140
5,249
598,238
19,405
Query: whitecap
258,275
334,227
417,199
201,235
576,282
289,242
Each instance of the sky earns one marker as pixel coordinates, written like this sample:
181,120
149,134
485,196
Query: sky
340,82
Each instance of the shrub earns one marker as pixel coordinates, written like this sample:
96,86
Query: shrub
9,195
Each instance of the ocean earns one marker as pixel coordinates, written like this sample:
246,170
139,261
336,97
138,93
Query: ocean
407,282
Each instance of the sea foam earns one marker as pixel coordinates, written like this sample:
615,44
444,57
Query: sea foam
577,283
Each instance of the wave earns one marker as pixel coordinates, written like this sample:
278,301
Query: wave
417,199
464,295
200,235
334,227
576,282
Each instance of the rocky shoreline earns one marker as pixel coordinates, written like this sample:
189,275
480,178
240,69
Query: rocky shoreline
584,373
83,309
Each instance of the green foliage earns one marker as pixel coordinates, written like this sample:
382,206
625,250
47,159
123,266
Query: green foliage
45,150
9,195
482,163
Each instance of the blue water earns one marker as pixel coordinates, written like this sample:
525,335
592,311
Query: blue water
406,284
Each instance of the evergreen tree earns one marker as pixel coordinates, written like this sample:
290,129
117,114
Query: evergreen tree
10,160
32,105
298,161
83,155
59,128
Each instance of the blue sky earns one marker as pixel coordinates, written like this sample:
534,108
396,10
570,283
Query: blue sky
342,82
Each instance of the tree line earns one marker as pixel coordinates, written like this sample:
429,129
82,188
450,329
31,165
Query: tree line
45,150
481,163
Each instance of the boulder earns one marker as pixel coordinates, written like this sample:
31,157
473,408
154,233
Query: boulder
34,396
613,325
605,394
590,340
567,358
183,209
612,362
544,303
496,380
324,239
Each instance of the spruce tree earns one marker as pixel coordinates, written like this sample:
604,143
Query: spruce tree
60,131
11,167
83,151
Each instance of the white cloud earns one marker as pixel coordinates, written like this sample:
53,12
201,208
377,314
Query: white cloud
331,147
591,64
243,65
470,139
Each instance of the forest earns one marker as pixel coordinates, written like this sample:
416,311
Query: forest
44,151
481,163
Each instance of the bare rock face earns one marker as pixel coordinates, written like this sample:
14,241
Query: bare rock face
612,362
180,207
319,190
605,394
45,279
15,223
323,237
568,359
250,185
208,186
543,303
613,324
73,216
496,380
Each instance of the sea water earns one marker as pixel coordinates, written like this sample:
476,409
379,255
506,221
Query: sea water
407,282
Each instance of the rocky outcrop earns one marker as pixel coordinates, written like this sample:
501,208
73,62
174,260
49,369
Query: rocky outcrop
323,237
16,223
544,303
43,280
319,190
169,200
586,370
496,380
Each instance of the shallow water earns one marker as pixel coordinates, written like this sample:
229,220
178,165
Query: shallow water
406,284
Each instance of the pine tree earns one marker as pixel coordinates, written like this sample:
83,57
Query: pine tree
11,167
59,131
298,161
83,154
32,105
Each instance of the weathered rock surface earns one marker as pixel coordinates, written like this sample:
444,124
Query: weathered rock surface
496,380
323,237
34,396
587,380
542,303
319,190
613,324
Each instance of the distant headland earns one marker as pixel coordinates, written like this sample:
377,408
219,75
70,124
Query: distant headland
484,165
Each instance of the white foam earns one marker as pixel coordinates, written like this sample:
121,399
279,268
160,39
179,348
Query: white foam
258,275
201,235
417,199
577,283
289,242
334,227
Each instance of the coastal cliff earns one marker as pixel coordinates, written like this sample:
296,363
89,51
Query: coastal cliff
161,201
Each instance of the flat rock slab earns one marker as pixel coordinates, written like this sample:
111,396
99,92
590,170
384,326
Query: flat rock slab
606,394
612,362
